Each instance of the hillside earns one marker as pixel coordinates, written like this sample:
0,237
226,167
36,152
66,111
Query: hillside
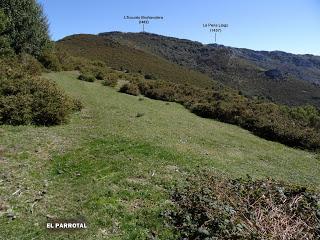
120,180
120,56
281,77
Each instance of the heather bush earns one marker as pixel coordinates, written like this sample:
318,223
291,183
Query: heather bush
205,110
33,100
130,88
140,114
68,62
87,77
110,82
77,104
50,60
150,76
307,114
18,66
29,65
100,75
213,207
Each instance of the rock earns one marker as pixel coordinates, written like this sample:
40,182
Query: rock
11,215
2,149
50,216
274,74
46,184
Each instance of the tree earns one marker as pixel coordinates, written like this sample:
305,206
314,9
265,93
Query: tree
27,27
4,43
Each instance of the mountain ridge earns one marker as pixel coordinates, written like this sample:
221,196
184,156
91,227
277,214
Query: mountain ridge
275,76
204,44
305,60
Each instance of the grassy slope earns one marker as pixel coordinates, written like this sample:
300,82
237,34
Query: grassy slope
117,55
115,169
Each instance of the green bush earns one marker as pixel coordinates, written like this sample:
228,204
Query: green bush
18,66
130,88
30,65
77,105
150,77
307,114
16,109
213,207
31,100
140,114
109,83
68,62
100,75
50,60
111,80
205,110
86,77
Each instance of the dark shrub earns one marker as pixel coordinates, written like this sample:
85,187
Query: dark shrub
139,115
109,83
16,109
30,65
110,80
19,66
100,75
98,64
87,77
130,88
205,110
50,106
150,77
67,62
32,100
274,74
309,115
50,60
77,105
213,207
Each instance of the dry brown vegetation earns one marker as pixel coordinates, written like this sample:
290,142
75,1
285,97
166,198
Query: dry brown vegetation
211,206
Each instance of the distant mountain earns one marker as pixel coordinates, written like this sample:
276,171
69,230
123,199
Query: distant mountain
280,77
304,67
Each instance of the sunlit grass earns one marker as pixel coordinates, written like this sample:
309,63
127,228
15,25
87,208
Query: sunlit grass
116,169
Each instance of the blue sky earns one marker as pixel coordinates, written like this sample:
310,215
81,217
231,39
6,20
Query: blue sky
287,25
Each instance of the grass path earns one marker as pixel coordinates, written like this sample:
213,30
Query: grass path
116,169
